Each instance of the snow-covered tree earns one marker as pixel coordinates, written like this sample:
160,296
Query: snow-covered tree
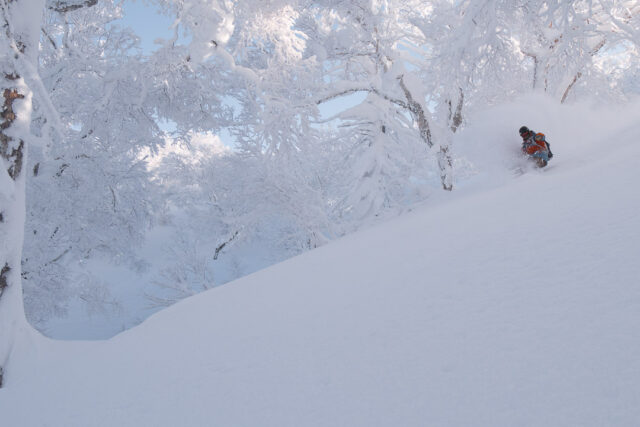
90,193
563,40
360,46
269,192
20,20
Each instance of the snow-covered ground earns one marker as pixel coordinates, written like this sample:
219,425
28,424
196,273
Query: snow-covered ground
514,300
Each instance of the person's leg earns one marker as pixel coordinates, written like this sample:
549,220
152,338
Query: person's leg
541,158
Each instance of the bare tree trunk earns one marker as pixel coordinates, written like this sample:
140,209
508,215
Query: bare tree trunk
445,164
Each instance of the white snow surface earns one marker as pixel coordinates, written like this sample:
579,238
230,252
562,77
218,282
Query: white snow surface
513,301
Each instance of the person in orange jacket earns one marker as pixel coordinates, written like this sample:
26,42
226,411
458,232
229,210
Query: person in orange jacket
535,146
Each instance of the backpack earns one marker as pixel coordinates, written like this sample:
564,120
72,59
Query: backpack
540,137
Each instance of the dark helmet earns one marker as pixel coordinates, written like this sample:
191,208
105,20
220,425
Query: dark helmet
524,130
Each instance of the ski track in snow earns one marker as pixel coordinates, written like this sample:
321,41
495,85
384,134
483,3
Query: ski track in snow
515,305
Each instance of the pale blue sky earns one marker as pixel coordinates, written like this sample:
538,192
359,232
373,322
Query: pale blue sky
148,24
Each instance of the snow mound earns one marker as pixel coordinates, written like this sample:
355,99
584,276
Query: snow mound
517,305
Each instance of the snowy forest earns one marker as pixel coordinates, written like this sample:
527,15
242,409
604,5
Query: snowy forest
260,130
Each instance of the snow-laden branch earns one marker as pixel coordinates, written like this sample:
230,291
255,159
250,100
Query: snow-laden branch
418,112
577,76
369,89
445,163
70,6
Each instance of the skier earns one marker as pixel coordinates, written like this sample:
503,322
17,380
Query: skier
535,146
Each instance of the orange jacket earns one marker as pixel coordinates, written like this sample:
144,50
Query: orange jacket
534,143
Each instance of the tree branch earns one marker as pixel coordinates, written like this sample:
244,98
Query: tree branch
444,159
53,43
457,117
568,89
362,89
69,6
416,109
56,259
223,244
113,197
594,52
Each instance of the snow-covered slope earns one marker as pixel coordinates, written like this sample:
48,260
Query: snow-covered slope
515,305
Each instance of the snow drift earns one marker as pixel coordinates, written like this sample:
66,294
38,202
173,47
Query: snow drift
514,301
